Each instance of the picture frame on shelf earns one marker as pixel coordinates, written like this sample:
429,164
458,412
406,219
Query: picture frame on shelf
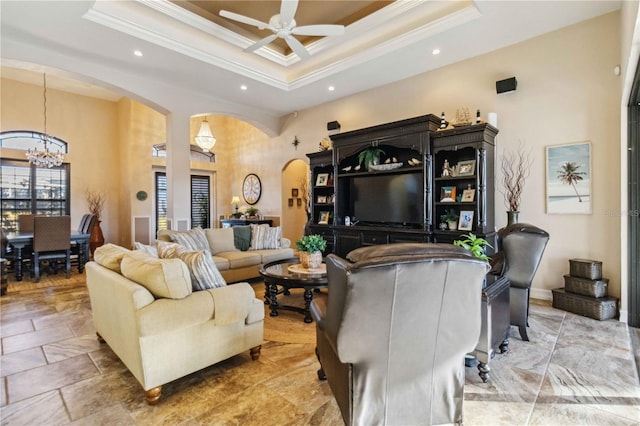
465,223
466,168
323,219
294,192
322,199
448,194
468,195
322,179
290,202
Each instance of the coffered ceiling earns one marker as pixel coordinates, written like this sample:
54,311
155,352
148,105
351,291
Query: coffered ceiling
189,50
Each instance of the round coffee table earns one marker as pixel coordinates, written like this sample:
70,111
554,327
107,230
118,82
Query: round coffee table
287,274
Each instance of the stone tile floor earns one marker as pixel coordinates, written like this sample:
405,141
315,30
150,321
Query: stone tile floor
575,371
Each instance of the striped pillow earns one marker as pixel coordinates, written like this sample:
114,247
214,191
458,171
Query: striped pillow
193,239
265,237
204,273
169,250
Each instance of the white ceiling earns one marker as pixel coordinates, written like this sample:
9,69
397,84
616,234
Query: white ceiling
184,53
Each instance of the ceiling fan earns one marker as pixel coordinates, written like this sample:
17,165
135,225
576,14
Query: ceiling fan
284,26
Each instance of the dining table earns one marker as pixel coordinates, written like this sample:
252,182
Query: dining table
19,240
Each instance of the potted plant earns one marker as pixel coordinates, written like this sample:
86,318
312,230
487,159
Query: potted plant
311,248
251,211
450,217
475,245
370,156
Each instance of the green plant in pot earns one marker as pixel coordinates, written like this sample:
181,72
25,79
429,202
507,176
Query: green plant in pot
370,156
475,245
311,248
450,217
251,211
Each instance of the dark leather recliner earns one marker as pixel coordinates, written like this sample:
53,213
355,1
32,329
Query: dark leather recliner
520,249
393,332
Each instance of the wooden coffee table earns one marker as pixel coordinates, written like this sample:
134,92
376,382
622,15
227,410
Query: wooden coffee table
287,274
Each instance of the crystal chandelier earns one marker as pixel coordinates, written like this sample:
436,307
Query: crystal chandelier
44,157
205,139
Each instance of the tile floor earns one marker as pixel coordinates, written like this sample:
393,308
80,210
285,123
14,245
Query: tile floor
575,371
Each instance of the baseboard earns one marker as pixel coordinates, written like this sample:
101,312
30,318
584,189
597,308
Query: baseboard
542,294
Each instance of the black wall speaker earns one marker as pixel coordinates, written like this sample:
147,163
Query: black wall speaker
333,125
506,85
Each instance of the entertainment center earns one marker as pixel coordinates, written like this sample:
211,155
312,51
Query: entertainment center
421,172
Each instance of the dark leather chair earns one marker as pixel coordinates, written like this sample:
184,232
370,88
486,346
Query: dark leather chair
520,249
51,241
394,330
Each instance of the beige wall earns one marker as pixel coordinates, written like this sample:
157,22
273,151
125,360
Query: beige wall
89,126
567,92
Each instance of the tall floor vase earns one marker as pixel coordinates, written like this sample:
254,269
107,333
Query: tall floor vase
512,217
97,238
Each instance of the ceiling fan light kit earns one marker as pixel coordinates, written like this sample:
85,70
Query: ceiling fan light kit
283,25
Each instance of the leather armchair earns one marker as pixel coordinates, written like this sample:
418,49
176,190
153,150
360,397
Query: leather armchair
520,246
393,332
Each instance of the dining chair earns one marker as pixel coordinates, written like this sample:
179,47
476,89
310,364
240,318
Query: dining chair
25,222
86,226
51,241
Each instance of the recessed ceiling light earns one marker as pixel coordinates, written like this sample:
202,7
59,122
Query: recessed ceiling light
137,53
435,52
331,88
243,87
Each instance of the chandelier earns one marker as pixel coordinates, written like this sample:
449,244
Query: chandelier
43,157
205,139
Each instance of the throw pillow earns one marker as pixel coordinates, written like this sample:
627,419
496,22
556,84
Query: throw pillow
110,256
265,237
204,273
193,239
169,250
150,250
242,237
220,240
167,278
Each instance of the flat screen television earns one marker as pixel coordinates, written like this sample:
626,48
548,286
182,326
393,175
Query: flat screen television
393,199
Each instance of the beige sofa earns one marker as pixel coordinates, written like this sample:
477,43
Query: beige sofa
234,264
145,310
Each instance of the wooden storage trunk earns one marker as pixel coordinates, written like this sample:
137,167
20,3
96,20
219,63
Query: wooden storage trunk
585,268
593,288
602,308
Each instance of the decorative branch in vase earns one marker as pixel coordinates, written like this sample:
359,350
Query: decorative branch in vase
95,203
516,167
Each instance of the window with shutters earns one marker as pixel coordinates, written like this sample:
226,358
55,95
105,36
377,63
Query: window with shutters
200,201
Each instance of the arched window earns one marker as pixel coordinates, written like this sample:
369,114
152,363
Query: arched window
28,189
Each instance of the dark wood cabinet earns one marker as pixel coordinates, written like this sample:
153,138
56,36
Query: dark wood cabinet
401,198
463,181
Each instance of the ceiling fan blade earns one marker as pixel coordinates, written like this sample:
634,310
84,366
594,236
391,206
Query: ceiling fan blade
261,43
244,19
296,46
287,11
319,30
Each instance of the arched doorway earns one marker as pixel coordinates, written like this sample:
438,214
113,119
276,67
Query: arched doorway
295,175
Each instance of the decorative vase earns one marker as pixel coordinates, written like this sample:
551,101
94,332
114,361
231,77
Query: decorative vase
453,225
97,238
310,260
512,217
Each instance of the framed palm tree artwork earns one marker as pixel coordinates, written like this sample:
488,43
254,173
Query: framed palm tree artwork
569,178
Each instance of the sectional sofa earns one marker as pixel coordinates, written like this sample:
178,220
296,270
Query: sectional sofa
238,252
